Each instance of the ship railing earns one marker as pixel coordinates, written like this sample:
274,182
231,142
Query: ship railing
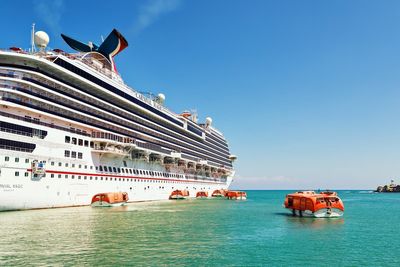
7,130
15,148
51,125
113,137
153,147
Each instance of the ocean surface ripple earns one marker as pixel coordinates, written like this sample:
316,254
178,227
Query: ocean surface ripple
212,232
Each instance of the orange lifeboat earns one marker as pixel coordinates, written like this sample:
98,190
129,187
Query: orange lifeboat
179,194
218,193
320,205
202,194
110,199
186,114
236,195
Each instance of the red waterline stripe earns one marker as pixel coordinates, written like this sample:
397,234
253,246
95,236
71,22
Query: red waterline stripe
130,177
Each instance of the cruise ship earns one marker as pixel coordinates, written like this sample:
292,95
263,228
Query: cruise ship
70,128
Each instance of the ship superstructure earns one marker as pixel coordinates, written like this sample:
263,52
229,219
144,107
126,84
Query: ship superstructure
70,129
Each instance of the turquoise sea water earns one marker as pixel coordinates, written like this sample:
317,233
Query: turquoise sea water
256,232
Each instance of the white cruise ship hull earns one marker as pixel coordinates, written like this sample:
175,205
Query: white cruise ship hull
70,129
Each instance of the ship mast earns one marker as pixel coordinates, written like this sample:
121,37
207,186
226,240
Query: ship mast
33,38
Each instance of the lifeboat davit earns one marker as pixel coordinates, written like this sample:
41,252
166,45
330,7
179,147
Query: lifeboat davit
111,199
179,194
218,193
320,205
236,195
202,194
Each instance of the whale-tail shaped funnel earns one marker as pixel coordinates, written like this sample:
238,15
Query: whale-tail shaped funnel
111,46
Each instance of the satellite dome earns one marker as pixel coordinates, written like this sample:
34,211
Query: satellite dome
208,121
161,98
41,39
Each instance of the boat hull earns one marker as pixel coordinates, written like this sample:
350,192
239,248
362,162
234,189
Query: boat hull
321,213
106,204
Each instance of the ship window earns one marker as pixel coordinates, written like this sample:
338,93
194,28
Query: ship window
79,166
115,169
73,154
73,141
80,142
26,160
67,153
52,163
101,168
66,164
119,170
85,166
105,168
86,143
16,173
6,158
59,176
130,170
123,170
26,174
79,177
101,178
90,178
73,176
73,165
125,164
91,167
67,139
91,144
140,171
66,176
52,175
59,164
16,159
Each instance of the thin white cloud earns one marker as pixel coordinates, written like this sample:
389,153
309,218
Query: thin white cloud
50,13
152,11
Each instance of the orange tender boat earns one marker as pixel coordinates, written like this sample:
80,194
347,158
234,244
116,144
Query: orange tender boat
202,194
179,194
111,199
320,205
218,193
237,195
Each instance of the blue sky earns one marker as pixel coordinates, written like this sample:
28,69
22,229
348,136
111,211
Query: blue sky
306,92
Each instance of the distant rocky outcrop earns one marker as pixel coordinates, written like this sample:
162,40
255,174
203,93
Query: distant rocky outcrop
389,188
